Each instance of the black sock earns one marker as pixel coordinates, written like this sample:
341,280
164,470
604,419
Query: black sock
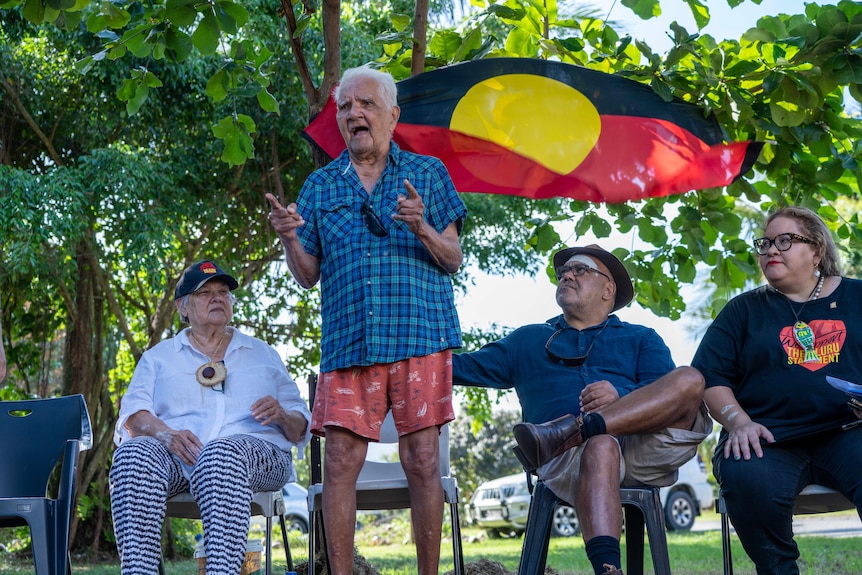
594,424
603,550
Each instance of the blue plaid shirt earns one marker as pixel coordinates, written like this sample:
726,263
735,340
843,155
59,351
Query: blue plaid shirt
382,299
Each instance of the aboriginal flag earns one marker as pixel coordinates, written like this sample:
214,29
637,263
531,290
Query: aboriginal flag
541,129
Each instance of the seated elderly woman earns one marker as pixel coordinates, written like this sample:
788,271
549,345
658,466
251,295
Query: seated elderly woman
211,411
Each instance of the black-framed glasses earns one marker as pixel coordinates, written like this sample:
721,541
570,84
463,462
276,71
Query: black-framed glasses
372,220
576,270
782,242
571,361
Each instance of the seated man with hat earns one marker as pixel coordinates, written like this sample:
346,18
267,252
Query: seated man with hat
603,404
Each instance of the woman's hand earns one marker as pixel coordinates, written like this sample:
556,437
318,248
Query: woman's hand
182,443
267,410
745,438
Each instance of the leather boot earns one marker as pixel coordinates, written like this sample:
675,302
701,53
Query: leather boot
538,444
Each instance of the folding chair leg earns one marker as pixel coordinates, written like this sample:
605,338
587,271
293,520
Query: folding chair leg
268,546
725,536
458,552
534,554
286,543
634,540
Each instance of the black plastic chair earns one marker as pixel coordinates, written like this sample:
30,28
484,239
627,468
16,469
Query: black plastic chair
642,508
36,435
811,500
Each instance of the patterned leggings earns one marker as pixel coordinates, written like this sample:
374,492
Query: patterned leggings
144,475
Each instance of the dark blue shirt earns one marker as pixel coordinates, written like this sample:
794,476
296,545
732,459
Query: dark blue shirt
627,355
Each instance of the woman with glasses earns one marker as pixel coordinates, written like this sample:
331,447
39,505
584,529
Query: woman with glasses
765,359
211,411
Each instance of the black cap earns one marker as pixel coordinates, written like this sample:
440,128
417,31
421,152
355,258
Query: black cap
625,289
196,275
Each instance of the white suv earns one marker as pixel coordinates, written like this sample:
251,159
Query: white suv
501,506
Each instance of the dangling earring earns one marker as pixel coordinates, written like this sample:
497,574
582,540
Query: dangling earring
816,271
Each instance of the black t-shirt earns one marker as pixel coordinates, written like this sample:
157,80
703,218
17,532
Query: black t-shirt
751,348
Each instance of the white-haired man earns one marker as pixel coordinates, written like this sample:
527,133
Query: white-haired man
378,227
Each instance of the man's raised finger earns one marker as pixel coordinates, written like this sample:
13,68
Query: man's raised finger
273,202
411,191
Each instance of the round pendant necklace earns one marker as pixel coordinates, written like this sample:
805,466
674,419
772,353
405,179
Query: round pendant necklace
211,373
802,332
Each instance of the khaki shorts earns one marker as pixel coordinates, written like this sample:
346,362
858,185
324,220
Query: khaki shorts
651,459
418,390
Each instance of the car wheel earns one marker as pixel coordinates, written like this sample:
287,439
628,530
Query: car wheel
679,511
295,523
493,533
565,522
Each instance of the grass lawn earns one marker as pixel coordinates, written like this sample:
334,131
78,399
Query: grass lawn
385,547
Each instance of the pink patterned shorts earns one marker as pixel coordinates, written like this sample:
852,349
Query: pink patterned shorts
418,390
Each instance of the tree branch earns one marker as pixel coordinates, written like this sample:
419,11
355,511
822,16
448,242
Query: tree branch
46,141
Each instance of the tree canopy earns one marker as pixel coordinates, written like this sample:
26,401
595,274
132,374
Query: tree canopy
137,138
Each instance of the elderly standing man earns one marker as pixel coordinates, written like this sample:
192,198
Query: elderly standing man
603,404
378,227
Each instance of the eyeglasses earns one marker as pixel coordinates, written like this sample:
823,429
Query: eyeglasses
571,361
577,270
372,220
205,294
782,243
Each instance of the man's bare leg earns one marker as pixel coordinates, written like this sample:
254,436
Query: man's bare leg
672,400
420,457
343,458
598,490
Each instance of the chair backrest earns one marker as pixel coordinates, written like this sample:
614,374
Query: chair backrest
33,437
375,474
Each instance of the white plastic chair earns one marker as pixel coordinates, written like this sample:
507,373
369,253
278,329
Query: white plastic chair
383,485
267,504
811,500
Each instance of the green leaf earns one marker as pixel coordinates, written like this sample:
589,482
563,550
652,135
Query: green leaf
661,89
206,36
134,104
267,102
445,44
506,12
218,85
114,17
178,43
34,11
700,13
400,22
235,134
646,9
85,64
237,12
61,4
301,24
151,81
181,13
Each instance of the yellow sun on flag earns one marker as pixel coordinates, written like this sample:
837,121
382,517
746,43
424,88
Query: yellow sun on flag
534,116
